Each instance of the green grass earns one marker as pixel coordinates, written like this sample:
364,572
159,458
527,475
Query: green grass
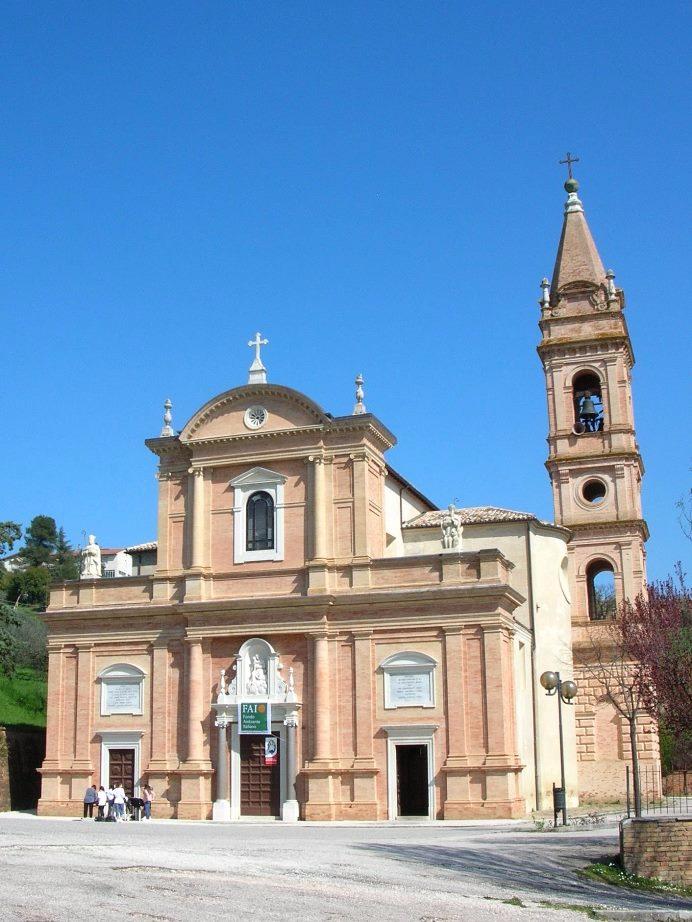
23,698
588,911
613,873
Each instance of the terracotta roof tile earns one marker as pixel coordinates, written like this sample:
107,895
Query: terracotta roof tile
472,515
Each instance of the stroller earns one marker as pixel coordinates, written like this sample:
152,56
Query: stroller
135,805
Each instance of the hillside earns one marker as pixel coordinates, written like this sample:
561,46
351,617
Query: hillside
23,698
23,695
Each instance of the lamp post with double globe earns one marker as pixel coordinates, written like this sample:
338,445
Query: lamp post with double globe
565,691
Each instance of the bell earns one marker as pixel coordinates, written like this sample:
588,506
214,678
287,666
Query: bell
588,408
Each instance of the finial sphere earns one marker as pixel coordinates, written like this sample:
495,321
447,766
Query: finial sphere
571,185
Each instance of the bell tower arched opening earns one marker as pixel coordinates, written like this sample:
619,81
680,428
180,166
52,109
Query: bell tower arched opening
600,588
588,403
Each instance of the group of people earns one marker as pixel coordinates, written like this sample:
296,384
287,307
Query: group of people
112,802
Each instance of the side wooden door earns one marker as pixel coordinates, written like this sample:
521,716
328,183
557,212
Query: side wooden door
121,769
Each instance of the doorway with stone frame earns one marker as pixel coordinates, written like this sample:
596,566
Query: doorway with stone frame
411,770
258,791
412,780
260,783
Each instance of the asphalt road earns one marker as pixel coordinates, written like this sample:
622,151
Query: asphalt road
56,870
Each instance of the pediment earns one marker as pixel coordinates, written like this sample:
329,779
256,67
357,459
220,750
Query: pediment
257,475
224,416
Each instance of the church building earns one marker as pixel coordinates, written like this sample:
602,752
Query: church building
316,640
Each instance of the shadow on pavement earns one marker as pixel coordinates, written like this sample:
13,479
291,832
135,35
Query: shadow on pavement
548,875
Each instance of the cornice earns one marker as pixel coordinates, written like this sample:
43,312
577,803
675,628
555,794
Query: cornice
356,599
605,456
613,526
256,436
567,346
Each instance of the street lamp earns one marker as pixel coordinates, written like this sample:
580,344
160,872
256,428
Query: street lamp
565,691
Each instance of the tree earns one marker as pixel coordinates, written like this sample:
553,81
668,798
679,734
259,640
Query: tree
9,533
656,632
65,563
40,541
29,587
684,506
606,658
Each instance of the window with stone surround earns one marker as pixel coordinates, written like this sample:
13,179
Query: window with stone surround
258,515
259,522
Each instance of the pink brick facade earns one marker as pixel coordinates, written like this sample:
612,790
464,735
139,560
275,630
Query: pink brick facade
343,590
333,608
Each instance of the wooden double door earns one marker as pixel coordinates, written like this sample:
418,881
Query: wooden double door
260,784
121,769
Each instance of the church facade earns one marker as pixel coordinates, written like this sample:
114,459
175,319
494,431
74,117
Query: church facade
318,641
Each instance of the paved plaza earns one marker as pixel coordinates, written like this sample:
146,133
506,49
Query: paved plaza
58,869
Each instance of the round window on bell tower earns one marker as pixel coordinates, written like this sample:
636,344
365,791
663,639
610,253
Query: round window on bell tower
594,491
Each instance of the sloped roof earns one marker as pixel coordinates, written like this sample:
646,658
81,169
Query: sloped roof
578,259
472,515
137,548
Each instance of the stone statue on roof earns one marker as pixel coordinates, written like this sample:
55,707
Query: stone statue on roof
91,559
451,527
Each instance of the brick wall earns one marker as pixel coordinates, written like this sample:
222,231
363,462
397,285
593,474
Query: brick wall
603,745
659,847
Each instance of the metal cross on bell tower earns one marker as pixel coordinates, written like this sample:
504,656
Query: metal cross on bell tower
569,160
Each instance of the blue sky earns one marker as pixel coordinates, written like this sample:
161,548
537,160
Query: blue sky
375,187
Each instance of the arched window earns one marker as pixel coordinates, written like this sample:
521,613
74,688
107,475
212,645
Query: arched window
600,586
259,522
588,406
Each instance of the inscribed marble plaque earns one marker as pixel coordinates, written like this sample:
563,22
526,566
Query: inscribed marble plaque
123,697
409,688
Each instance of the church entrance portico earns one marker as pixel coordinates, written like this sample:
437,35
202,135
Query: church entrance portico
263,763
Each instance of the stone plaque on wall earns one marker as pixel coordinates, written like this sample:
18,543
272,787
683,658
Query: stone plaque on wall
123,697
409,689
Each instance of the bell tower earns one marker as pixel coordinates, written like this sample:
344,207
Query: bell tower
593,457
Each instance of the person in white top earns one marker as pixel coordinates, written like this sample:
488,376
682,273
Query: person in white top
110,811
101,802
119,798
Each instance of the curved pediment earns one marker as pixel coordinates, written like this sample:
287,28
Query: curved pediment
225,416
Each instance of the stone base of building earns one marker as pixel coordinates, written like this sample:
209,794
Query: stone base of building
347,811
59,808
484,810
194,810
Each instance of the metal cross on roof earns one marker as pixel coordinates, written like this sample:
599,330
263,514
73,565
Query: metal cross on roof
258,373
569,160
257,342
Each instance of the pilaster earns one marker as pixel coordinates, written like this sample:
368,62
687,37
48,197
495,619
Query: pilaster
84,709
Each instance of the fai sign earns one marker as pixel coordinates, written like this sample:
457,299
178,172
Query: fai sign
254,717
